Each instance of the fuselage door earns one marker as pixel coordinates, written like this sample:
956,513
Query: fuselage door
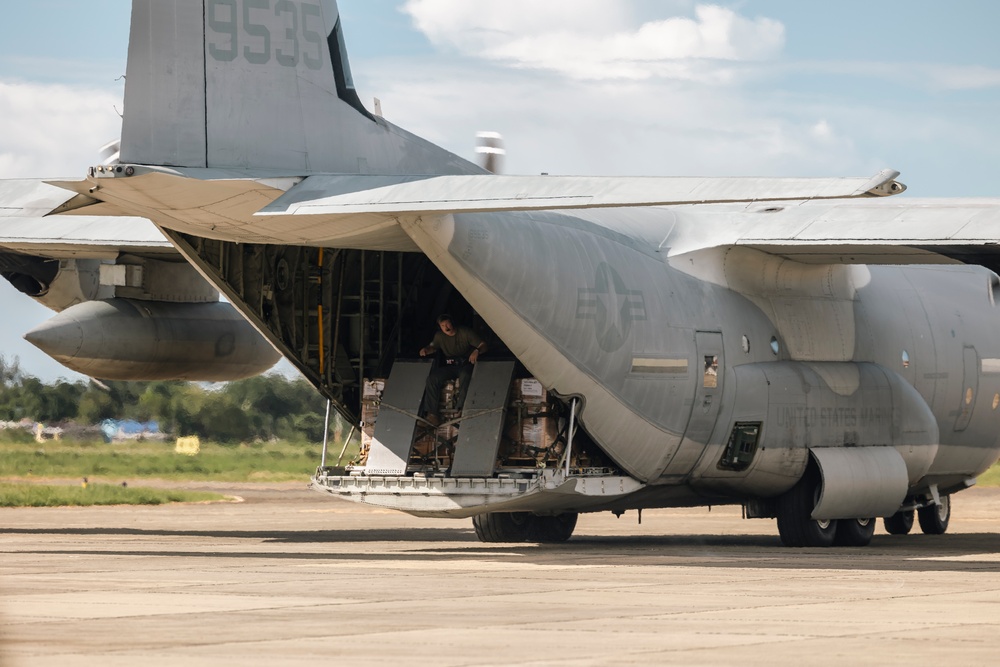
705,411
970,386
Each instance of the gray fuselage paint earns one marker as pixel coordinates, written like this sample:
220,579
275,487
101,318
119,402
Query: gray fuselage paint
615,310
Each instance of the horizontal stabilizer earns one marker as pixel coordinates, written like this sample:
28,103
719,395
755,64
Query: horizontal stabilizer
25,197
41,218
83,236
421,195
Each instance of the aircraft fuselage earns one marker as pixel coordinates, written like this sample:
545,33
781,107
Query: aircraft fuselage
669,354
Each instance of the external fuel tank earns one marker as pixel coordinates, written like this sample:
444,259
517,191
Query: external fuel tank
129,339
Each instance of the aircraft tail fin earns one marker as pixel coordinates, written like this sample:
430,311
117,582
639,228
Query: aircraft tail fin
257,84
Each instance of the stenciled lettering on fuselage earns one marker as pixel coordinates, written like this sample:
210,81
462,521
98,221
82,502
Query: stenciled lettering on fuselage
787,416
262,31
613,307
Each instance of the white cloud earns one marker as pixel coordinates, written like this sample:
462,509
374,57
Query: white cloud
971,77
485,24
590,39
651,127
54,130
822,131
919,76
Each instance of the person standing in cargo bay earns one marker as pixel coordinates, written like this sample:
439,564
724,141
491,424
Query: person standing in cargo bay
461,347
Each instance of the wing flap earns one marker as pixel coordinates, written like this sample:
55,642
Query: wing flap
902,222
902,231
421,195
41,218
30,198
82,236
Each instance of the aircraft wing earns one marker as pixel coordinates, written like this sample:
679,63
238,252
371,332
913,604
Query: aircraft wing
898,231
808,220
129,307
332,195
40,219
362,211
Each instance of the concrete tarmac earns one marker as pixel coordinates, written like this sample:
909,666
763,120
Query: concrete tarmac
292,577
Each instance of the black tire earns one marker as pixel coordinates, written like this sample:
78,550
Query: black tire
899,523
503,526
854,532
934,518
552,529
796,526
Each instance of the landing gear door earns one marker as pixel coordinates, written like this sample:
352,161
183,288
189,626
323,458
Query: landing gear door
710,366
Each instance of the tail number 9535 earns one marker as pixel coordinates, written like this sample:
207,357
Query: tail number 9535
284,31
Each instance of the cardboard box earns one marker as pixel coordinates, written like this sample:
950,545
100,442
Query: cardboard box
373,388
531,431
371,398
442,441
529,390
449,395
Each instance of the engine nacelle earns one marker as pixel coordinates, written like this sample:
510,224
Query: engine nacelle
130,339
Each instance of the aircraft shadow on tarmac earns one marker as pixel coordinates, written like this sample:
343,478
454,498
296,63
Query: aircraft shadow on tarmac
956,552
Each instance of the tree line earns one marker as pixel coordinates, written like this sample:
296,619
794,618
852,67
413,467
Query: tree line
263,407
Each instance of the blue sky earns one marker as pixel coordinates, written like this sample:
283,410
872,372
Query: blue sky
658,87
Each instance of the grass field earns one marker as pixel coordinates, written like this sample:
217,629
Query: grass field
37,495
117,462
991,477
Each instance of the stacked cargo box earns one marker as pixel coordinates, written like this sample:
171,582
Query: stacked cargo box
531,436
438,446
371,399
531,427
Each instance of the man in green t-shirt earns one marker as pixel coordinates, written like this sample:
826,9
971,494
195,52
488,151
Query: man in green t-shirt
461,347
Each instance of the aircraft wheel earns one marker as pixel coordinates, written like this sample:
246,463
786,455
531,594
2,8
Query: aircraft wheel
552,529
502,526
934,518
796,526
854,532
899,523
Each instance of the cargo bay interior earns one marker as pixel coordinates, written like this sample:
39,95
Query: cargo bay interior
352,321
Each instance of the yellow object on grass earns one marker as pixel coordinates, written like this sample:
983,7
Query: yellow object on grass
189,446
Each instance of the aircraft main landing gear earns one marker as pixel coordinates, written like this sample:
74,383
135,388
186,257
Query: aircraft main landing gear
796,526
854,532
899,523
524,527
934,518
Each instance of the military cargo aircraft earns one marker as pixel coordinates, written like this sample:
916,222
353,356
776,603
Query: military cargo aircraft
815,350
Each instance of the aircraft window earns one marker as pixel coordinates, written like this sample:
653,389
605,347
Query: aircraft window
994,292
711,371
996,401
742,446
968,395
746,344
906,359
774,345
